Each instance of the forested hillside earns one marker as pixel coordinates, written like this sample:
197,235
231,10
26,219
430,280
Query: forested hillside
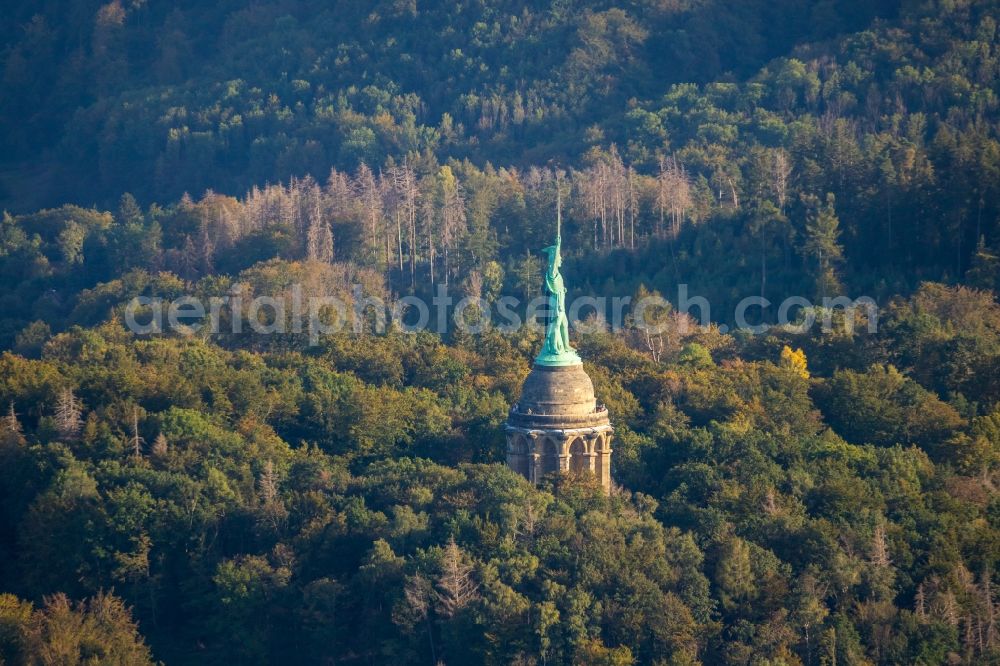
799,499
160,98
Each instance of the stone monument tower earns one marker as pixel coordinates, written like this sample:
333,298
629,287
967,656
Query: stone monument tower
557,425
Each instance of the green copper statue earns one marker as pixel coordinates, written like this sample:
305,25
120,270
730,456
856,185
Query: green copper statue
556,350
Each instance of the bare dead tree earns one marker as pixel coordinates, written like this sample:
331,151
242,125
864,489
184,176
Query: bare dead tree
662,195
254,211
385,192
474,284
206,251
880,548
654,344
160,447
228,224
735,194
945,607
587,191
411,194
136,440
340,199
268,483
326,243
591,185
367,189
396,202
10,423
673,193
920,603
770,502
273,508
990,608
781,170
429,218
968,636
452,220
618,195
313,232
288,209
633,206
530,521
456,587
69,415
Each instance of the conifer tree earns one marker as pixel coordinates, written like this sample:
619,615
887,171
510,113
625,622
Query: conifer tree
822,243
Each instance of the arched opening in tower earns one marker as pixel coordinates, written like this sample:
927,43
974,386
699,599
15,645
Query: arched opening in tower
601,461
550,457
517,455
578,457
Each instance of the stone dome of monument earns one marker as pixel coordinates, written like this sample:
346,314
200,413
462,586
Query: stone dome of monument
563,390
558,397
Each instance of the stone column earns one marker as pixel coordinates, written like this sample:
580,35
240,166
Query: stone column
515,459
534,460
592,454
536,468
605,454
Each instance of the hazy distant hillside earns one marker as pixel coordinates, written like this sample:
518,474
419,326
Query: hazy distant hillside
162,97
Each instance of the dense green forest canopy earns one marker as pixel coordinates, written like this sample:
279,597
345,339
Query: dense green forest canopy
799,499
158,98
